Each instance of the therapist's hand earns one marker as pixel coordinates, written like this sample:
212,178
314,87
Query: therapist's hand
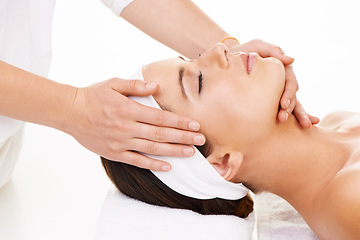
104,120
288,101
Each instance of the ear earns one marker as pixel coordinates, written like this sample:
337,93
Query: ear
227,165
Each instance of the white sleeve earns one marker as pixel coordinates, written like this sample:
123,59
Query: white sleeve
117,6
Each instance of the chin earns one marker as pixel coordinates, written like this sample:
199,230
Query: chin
277,63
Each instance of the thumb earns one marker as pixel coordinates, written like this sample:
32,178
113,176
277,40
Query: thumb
271,50
277,52
285,59
134,87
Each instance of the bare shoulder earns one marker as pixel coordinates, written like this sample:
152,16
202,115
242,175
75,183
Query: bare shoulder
340,120
339,205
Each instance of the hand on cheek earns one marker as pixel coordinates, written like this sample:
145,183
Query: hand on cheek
290,104
288,101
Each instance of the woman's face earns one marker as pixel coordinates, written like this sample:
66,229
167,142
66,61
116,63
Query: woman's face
235,97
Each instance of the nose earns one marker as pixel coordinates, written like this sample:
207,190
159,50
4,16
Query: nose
219,55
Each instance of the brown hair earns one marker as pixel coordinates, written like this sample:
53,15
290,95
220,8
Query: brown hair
143,185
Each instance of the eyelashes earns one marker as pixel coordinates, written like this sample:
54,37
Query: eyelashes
200,81
200,77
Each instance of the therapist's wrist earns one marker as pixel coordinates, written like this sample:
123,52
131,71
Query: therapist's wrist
70,111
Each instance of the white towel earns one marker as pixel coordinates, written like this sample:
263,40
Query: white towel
278,220
126,218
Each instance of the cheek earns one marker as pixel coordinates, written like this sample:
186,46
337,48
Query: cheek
238,115
229,124
219,116
275,74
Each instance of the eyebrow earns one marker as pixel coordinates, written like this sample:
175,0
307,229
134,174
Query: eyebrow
181,74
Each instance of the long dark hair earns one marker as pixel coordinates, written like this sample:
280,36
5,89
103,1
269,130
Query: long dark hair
143,185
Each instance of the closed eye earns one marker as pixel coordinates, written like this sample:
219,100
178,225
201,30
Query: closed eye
200,82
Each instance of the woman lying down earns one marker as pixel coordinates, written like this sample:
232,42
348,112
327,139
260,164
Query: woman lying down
235,98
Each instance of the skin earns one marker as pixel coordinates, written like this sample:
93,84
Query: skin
101,117
316,169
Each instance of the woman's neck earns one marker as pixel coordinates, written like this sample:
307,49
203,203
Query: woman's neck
295,163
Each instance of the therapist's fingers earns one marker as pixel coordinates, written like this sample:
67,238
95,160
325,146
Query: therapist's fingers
283,116
302,116
142,161
163,118
161,149
147,114
270,50
284,113
305,119
288,99
313,119
133,87
264,49
170,135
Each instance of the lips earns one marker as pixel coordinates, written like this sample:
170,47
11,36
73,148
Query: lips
245,58
249,60
252,57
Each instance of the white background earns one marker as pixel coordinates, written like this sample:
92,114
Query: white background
58,187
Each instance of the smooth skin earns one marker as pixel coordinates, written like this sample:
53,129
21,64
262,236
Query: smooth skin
101,117
316,169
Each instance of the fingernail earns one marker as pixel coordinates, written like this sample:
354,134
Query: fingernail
188,152
310,122
287,56
199,140
287,104
286,116
194,126
165,168
151,85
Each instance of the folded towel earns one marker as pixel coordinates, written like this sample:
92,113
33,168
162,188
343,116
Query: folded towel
277,219
126,218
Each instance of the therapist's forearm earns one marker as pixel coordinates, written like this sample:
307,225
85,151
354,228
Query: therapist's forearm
179,24
31,98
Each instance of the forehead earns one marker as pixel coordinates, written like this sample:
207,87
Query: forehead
167,64
166,73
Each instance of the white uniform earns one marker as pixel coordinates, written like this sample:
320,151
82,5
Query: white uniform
25,42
